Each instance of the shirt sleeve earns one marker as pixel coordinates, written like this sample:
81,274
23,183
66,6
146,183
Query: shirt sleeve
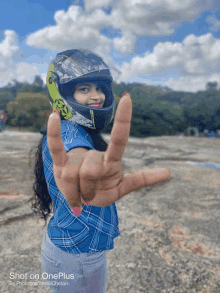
74,136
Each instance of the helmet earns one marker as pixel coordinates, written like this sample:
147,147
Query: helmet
67,70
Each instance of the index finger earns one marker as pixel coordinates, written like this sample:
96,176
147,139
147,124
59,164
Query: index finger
54,140
121,130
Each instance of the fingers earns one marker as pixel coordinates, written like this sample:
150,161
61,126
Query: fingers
70,188
141,179
64,178
90,172
121,130
54,140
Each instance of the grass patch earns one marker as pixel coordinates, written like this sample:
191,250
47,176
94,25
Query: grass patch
17,128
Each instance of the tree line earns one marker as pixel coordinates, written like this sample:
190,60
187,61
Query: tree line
156,110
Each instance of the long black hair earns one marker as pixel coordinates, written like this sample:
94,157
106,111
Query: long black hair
41,201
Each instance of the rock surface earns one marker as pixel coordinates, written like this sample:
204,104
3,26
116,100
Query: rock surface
170,232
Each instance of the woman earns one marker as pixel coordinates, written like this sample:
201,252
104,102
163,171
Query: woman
79,175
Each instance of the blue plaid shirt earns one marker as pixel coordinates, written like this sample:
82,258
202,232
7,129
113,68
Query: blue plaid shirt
95,229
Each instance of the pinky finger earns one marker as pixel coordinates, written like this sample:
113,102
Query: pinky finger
142,178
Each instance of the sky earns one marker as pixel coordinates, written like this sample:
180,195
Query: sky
171,43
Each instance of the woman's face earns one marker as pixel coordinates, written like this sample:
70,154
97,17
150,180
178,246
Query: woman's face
89,94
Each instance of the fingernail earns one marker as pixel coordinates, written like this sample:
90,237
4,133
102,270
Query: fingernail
124,94
76,211
52,113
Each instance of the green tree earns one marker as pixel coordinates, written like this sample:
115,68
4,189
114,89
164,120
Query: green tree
5,98
29,109
211,86
38,82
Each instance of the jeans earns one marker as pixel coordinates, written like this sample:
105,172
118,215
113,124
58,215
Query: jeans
73,273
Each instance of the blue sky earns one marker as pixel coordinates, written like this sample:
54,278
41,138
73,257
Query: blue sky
154,44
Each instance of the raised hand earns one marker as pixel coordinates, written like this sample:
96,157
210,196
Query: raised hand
98,174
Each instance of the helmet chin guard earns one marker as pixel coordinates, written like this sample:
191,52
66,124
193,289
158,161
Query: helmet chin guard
67,70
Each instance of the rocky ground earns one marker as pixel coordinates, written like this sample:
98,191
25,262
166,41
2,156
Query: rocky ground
170,232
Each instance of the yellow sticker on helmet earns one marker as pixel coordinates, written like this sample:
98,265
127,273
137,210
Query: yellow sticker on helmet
93,119
55,95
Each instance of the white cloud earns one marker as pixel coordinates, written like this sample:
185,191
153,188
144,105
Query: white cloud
77,28
214,22
9,47
25,72
173,5
73,30
126,44
10,56
150,17
197,59
90,5
44,77
191,84
9,51
195,56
